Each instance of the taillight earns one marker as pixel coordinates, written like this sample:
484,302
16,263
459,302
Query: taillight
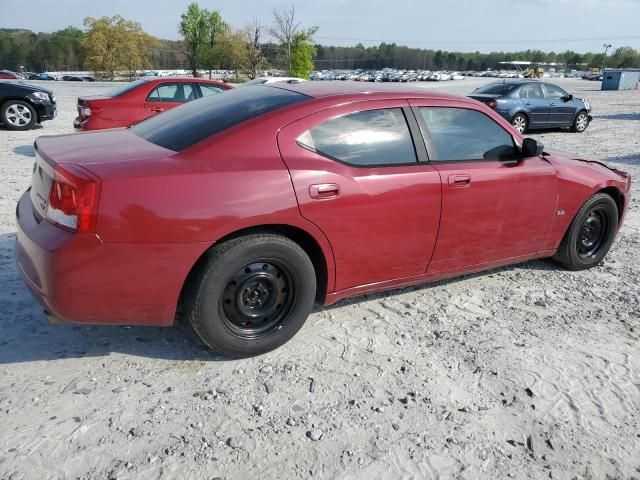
85,112
73,199
493,103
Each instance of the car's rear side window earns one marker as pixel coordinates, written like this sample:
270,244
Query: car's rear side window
188,124
367,138
532,90
121,90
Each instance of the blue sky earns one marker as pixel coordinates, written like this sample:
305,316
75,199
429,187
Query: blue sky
464,25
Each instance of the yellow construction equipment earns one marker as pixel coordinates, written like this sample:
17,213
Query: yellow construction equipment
532,72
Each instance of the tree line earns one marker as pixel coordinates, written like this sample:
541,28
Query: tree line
114,44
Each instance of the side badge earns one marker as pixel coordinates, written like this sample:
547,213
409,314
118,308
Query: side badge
559,213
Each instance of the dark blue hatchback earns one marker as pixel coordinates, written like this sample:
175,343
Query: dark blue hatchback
530,104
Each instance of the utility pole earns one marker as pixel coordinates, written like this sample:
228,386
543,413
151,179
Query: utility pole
606,46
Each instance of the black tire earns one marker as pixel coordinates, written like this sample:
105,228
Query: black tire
520,122
251,294
581,122
18,115
590,234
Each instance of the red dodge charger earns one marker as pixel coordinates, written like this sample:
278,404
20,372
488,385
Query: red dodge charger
242,210
136,101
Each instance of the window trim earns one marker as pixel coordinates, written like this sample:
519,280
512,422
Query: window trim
428,139
407,115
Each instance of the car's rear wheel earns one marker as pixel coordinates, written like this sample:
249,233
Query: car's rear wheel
520,122
251,294
590,235
18,115
581,122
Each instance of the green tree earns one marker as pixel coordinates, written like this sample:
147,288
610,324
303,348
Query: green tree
113,44
193,27
302,53
214,29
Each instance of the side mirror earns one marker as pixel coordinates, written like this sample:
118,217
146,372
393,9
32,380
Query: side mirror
531,148
567,98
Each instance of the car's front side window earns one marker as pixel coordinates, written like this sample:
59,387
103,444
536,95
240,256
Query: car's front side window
366,138
459,134
554,92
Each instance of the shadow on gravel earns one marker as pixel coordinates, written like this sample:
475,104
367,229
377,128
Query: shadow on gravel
628,159
37,126
27,336
618,116
25,150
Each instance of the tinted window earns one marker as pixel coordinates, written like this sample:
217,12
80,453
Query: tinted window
117,91
172,92
210,89
373,137
183,126
532,90
460,134
554,92
496,89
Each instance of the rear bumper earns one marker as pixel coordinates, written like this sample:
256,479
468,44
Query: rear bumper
81,279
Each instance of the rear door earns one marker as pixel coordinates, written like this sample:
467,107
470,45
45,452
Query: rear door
492,209
357,177
168,95
536,103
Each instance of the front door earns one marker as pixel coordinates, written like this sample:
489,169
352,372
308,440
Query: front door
493,208
356,176
561,110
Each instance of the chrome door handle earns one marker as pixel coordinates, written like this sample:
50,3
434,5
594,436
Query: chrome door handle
323,191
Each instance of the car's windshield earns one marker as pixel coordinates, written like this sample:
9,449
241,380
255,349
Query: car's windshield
192,122
496,89
127,87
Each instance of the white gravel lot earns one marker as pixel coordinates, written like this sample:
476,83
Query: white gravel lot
529,371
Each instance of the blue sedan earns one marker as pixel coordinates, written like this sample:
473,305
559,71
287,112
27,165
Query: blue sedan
530,104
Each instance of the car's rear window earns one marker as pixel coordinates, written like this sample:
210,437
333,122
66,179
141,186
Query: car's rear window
127,87
188,124
496,89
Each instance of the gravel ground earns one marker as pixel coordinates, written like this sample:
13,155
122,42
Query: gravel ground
529,371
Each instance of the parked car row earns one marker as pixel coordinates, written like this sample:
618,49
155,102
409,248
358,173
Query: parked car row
387,75
9,75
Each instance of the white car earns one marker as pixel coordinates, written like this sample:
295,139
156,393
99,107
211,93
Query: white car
266,80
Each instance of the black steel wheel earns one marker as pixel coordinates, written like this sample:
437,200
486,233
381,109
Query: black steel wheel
251,294
590,234
593,233
258,298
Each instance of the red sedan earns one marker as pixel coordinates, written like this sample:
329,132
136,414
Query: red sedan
244,209
136,101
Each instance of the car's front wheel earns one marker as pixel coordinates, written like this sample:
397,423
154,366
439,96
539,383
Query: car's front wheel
590,234
251,294
581,122
18,115
520,122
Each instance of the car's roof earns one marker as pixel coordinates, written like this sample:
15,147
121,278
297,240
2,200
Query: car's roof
517,81
180,80
336,88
